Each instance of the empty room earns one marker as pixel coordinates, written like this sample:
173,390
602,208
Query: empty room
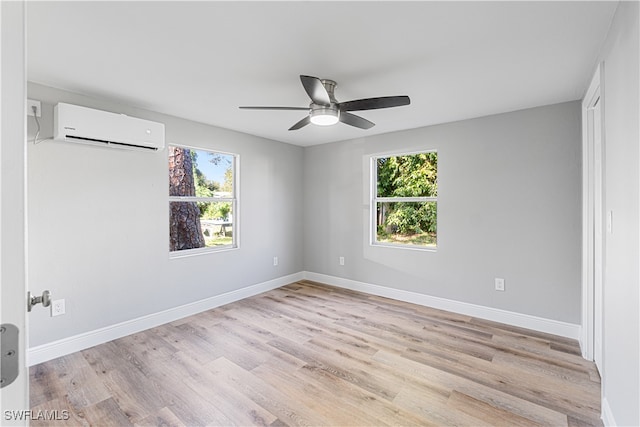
321,213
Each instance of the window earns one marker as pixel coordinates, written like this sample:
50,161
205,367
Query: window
404,200
202,200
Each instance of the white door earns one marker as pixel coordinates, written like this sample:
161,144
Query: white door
598,232
593,222
14,395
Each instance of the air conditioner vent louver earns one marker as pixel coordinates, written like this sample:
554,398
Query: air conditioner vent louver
73,123
117,144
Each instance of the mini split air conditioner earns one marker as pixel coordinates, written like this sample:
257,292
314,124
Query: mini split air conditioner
73,123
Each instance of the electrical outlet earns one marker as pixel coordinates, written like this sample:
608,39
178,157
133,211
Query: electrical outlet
275,261
33,103
499,284
57,307
341,260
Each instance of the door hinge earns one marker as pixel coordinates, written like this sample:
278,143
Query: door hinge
10,364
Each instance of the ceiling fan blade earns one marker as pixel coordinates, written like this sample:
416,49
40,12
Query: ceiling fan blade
315,89
374,103
357,121
301,123
275,108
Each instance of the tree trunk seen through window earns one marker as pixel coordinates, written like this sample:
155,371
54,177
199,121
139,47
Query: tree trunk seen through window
185,231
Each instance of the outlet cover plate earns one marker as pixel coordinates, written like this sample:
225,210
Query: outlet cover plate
499,284
57,307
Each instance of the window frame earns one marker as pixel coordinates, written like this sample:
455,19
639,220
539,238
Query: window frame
234,200
374,200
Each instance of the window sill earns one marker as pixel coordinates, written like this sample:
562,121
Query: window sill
408,247
200,251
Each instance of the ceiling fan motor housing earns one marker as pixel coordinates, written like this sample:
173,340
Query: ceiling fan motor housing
325,115
330,86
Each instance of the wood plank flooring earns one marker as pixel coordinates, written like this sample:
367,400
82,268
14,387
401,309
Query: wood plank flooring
314,355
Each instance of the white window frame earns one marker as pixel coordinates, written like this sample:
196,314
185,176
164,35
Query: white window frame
374,200
234,200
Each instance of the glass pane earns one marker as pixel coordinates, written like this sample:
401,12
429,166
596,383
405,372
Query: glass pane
200,173
407,223
217,223
198,225
411,175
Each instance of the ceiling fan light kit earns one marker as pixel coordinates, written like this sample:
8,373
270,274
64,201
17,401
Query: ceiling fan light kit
325,110
324,116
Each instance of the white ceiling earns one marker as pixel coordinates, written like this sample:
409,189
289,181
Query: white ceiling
201,60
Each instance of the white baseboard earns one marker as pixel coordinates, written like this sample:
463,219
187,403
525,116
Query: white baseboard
607,415
69,345
540,324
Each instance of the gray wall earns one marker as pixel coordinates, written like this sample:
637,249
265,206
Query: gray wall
98,223
621,377
509,206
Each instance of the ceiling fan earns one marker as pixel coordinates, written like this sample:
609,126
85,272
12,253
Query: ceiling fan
325,110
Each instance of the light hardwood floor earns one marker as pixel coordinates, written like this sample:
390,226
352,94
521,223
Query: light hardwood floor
311,354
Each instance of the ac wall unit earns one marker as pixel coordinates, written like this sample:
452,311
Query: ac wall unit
85,125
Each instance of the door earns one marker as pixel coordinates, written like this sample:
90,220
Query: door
593,222
598,233
14,395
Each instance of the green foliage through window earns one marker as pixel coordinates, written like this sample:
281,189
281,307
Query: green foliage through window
406,199
208,188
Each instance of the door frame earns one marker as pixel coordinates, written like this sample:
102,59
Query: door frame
593,233
14,397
